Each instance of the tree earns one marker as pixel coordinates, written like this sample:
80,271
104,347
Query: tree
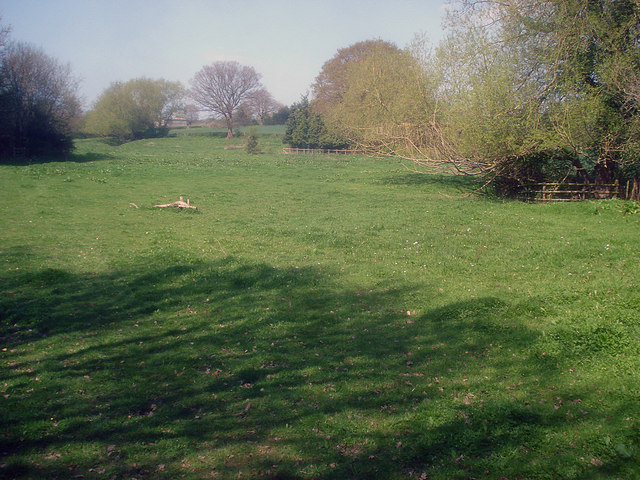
261,104
487,120
243,116
520,91
306,129
4,35
38,102
191,114
222,87
385,106
139,108
331,83
278,118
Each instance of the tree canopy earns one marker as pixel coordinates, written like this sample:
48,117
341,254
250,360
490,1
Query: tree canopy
223,87
38,101
135,109
384,101
331,119
261,105
544,86
519,91
332,82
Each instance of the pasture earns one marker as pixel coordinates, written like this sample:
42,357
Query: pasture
318,317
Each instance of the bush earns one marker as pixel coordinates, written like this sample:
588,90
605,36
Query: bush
252,146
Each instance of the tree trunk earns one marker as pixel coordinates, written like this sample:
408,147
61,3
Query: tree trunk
229,121
604,174
580,169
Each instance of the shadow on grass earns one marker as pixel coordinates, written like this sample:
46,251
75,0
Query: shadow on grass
459,183
71,158
88,157
212,369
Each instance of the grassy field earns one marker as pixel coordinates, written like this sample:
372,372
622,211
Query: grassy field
263,130
318,317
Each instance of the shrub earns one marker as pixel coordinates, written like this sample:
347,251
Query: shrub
252,146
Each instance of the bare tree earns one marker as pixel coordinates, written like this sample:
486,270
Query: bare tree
222,87
4,34
261,104
191,113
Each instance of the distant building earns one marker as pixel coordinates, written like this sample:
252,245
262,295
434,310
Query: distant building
177,121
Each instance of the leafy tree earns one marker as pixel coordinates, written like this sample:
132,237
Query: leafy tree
223,87
529,82
38,102
136,109
278,118
487,119
385,106
338,104
331,83
520,91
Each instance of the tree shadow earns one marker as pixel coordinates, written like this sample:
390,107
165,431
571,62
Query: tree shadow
40,160
229,366
449,180
88,157
112,141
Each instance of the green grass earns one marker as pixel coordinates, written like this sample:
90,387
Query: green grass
318,317
265,130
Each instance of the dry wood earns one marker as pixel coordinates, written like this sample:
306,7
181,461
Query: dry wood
179,204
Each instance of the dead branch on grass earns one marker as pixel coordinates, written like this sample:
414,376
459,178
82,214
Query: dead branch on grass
179,204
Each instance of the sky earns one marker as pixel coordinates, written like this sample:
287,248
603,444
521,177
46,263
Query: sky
286,41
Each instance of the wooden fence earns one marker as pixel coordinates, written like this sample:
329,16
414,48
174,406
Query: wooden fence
542,192
574,192
302,151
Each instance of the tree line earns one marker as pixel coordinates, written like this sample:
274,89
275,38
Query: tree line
518,92
40,108
143,108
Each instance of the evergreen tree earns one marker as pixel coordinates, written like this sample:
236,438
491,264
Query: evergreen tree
306,129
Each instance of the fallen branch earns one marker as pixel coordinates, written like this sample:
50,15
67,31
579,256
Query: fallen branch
179,204
220,245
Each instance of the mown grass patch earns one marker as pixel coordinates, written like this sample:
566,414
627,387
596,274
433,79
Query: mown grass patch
318,317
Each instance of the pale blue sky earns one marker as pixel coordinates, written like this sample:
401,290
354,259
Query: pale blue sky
287,41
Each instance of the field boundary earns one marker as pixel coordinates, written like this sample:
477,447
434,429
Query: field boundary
573,192
303,151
